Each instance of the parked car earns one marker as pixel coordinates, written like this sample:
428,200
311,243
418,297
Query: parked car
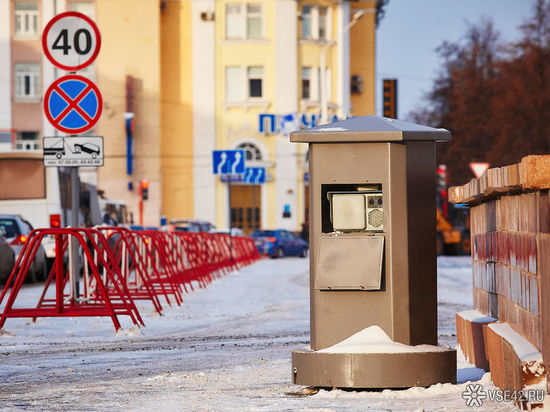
15,231
279,243
7,259
235,231
189,225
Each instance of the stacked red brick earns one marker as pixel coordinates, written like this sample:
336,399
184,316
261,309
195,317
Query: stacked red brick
510,229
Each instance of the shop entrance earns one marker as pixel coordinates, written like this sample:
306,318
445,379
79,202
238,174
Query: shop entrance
246,206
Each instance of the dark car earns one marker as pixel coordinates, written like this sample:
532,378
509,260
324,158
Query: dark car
15,231
279,243
7,259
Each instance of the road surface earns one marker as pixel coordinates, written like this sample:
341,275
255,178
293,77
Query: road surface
226,348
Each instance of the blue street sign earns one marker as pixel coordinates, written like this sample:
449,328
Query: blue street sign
254,175
228,162
232,178
73,104
271,123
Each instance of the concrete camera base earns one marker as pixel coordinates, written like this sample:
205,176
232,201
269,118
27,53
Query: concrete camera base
434,364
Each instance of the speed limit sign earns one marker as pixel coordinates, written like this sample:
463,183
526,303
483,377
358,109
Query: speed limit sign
71,41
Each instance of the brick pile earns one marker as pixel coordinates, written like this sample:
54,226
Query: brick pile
510,234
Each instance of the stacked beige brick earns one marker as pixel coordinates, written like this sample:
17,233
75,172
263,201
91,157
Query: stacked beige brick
510,234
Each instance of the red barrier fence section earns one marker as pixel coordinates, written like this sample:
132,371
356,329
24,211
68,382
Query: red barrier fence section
126,245
120,265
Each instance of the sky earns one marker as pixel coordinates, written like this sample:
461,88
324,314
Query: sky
411,30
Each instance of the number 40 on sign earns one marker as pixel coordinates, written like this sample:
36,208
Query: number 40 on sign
71,41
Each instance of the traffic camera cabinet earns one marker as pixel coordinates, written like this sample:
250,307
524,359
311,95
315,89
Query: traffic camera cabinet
373,254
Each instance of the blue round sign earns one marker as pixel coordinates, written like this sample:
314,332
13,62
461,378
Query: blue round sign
73,104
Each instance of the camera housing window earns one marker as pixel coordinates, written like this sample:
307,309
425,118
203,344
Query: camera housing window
352,208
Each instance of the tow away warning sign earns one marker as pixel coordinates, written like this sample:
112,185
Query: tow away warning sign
73,151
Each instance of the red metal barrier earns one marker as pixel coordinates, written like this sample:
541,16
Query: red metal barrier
105,294
125,245
121,265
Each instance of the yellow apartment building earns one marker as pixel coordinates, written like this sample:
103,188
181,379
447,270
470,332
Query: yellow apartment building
196,76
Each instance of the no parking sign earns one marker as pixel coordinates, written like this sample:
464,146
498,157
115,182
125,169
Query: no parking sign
73,104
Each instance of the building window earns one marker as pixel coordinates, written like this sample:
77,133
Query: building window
242,83
306,22
306,83
233,84
255,81
26,18
27,141
323,23
243,20
84,7
316,22
254,21
27,80
233,25
251,150
27,135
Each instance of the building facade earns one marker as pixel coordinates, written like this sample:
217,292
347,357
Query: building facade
195,76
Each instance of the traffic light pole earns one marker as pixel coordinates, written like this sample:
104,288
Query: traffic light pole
140,205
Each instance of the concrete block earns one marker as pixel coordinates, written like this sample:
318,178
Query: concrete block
534,172
510,175
472,339
495,357
456,194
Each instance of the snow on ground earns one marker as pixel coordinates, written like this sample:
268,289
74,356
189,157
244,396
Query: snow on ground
226,348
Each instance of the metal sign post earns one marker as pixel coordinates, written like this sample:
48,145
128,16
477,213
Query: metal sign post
72,104
75,200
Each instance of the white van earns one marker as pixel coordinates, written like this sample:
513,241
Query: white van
42,195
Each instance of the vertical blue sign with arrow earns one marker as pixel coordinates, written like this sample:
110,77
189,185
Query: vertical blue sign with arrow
226,162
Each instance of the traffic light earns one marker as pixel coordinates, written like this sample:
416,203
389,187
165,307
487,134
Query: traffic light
144,187
390,98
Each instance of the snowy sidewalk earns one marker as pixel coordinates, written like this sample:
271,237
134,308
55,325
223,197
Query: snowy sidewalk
227,348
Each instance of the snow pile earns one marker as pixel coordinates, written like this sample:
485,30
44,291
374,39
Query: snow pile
4,332
475,316
131,331
374,340
437,390
524,349
530,357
